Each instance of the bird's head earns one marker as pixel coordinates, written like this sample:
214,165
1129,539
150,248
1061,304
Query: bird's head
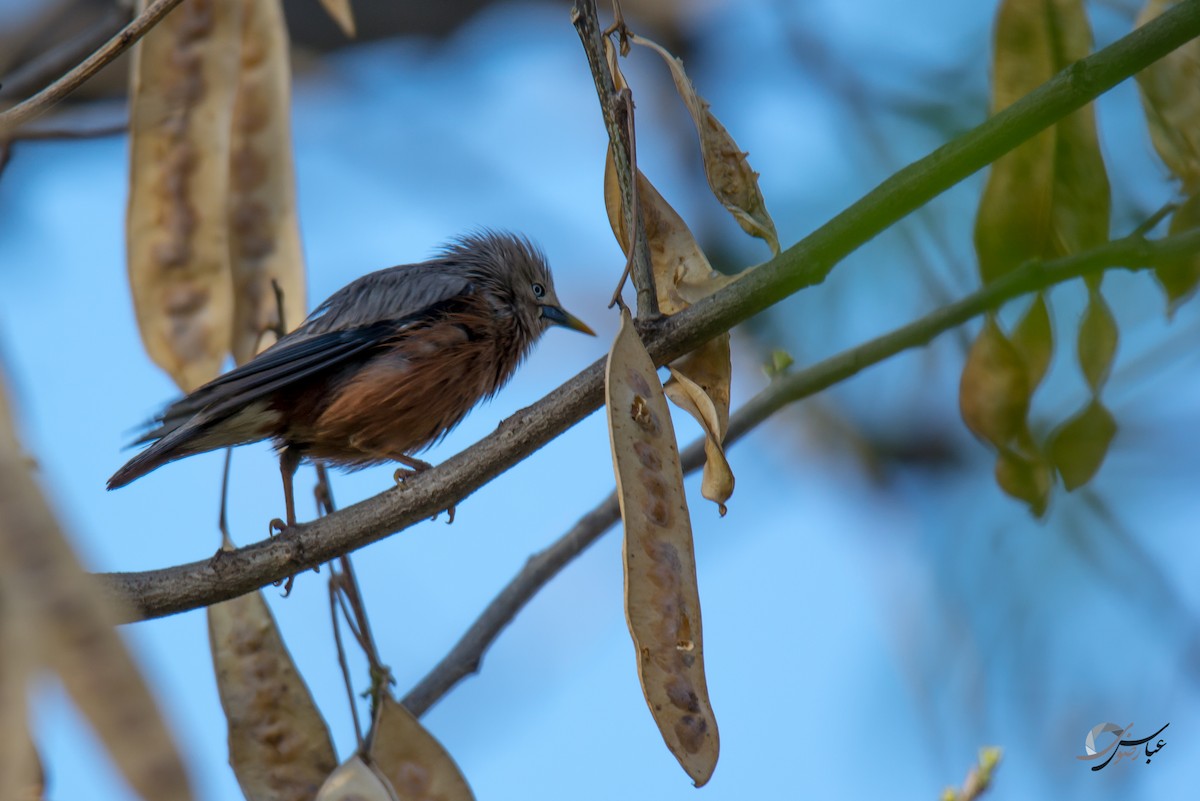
513,268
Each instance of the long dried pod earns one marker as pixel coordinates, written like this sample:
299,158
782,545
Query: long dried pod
415,764
279,745
21,776
264,234
662,601
71,629
1170,89
184,76
729,175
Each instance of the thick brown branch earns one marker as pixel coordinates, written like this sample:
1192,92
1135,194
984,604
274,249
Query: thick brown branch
464,658
25,111
176,589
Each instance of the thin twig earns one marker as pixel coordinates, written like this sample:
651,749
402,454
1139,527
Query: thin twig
344,587
47,134
345,666
1154,219
979,777
464,658
634,211
222,518
618,121
175,589
27,110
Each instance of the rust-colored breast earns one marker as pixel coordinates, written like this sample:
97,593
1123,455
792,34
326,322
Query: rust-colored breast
416,388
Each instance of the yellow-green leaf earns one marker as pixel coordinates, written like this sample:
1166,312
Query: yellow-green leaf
1049,196
1170,89
1180,277
1078,446
1097,340
1026,478
993,394
1033,338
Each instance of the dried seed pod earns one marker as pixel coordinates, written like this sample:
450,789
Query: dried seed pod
662,601
264,234
21,776
184,76
415,764
355,780
279,745
70,628
682,276
342,14
729,175
699,385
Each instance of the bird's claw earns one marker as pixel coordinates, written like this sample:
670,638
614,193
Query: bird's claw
276,527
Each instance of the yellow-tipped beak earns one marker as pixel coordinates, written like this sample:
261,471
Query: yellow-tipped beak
567,320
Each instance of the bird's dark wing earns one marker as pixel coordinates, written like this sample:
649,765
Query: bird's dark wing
213,416
392,294
286,362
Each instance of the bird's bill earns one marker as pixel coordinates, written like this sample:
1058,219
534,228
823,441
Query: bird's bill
567,320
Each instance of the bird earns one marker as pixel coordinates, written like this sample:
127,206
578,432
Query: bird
385,367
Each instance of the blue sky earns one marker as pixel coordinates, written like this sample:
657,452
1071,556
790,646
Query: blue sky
867,630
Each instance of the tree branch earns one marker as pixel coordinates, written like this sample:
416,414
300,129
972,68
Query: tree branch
161,592
463,659
617,109
25,111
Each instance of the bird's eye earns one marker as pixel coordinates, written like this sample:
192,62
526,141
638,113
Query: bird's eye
539,291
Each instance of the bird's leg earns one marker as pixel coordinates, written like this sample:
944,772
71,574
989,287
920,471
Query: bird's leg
289,460
415,466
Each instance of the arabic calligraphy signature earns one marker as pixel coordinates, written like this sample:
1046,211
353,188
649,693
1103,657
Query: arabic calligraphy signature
1118,743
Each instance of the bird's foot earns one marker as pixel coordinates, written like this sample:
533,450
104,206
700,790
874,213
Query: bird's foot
402,474
276,527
